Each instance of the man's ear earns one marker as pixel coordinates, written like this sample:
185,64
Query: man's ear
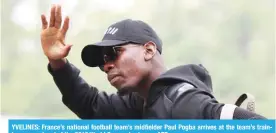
150,50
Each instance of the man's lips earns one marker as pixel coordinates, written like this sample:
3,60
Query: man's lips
112,76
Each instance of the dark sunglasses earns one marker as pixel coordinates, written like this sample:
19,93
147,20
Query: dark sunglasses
110,54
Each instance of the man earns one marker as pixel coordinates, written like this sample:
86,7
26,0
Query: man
130,55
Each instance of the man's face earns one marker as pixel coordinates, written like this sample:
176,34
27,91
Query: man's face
125,65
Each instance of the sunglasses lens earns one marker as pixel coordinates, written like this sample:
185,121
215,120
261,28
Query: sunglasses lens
108,58
109,55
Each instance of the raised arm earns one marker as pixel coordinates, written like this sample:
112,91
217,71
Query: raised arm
86,101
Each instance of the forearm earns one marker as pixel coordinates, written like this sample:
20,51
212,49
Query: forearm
241,113
77,95
202,105
231,111
214,110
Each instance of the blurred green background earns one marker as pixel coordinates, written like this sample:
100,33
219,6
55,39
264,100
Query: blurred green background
233,39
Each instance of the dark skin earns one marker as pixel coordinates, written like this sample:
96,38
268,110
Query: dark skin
135,68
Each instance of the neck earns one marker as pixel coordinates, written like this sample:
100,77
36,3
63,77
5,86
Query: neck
148,80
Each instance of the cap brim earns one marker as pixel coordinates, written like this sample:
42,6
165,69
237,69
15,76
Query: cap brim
91,55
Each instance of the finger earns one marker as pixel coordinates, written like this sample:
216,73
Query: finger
44,22
52,17
65,26
58,18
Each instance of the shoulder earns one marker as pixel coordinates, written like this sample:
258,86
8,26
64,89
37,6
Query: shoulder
173,92
189,102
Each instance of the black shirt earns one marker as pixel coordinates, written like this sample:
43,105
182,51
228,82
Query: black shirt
184,92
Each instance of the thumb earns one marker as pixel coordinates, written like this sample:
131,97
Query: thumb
66,49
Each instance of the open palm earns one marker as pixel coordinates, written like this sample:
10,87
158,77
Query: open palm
53,36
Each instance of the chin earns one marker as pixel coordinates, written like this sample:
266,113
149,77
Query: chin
123,86
120,86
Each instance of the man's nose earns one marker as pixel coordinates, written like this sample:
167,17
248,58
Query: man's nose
108,66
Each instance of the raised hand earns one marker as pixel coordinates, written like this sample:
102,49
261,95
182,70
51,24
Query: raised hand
53,35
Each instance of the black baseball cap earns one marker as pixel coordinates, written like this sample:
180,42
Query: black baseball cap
122,32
